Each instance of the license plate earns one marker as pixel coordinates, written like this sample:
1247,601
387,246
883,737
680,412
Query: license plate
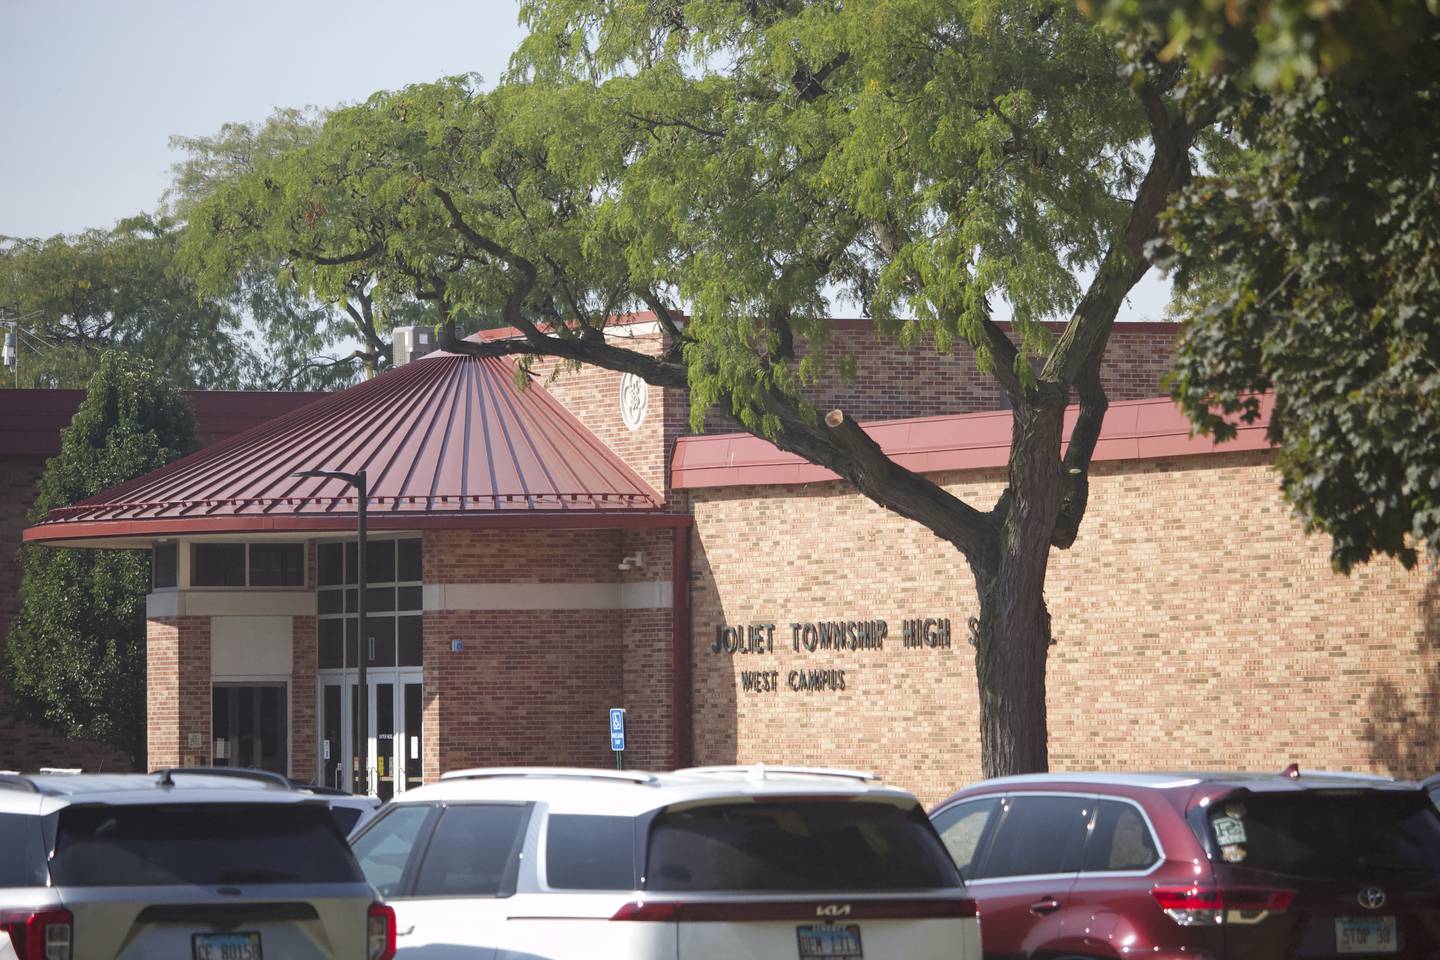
1371,935
226,946
830,941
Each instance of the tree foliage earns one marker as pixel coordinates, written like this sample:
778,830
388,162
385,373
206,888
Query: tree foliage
76,652
1319,265
78,296
749,161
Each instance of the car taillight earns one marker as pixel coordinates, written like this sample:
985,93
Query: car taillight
1201,906
379,932
40,934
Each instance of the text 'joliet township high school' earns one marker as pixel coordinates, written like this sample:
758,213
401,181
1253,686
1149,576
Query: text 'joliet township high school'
540,556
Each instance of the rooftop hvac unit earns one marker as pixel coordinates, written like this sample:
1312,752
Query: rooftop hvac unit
411,343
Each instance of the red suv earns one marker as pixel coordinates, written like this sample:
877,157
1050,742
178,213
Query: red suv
1204,866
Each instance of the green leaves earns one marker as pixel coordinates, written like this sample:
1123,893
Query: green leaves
75,655
1318,267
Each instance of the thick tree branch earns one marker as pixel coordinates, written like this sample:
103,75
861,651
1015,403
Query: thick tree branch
1005,355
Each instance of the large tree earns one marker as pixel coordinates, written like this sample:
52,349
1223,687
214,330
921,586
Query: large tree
752,160
1312,263
77,296
75,655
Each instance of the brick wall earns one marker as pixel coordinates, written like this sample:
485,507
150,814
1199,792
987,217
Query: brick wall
303,762
178,686
1196,626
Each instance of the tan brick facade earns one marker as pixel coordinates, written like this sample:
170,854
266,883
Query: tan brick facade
1196,626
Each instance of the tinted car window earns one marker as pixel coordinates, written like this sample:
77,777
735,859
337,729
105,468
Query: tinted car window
590,853
1037,835
961,826
345,818
1119,839
797,846
474,852
205,844
22,851
1331,835
386,847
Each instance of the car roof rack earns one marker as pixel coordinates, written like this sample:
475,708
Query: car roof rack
238,773
759,771
567,773
9,780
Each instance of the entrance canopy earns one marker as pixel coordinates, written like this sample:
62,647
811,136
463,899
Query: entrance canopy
447,440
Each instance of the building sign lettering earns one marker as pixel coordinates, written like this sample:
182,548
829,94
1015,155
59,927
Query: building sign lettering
817,637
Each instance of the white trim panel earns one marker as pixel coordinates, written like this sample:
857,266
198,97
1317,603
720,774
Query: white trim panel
250,647
230,603
644,595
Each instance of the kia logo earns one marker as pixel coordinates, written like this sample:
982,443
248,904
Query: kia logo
843,909
1371,898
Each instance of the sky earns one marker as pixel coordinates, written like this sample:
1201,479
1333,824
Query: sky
92,90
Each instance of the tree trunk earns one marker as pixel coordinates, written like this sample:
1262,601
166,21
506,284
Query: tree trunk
1013,639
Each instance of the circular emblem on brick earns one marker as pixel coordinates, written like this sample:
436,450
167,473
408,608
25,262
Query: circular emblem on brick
634,400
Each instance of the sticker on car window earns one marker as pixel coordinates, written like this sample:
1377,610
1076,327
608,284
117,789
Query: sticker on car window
1235,809
1232,853
1229,830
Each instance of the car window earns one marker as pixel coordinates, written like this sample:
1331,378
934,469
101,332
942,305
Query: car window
1037,835
346,818
474,851
202,843
797,845
22,851
385,848
961,826
1334,835
590,853
1119,839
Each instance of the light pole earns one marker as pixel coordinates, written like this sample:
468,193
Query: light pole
356,480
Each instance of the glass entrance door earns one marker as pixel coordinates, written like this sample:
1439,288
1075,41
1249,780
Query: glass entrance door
394,737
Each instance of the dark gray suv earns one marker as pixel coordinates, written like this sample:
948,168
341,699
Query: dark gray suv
182,865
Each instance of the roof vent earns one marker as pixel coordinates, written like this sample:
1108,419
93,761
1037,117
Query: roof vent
411,343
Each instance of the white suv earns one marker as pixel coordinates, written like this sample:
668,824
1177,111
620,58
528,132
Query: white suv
179,865
719,862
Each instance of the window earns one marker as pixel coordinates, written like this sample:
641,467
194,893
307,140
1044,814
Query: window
23,863
961,828
386,846
164,566
1119,840
474,852
277,565
799,846
205,844
248,726
590,853
393,634
219,565
1037,835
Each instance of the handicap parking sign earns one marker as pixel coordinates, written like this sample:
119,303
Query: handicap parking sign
617,729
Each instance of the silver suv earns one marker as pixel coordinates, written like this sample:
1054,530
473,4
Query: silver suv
756,862
178,865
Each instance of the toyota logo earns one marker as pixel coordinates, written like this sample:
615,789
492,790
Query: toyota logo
1371,898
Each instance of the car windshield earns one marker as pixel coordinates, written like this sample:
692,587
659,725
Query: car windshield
1340,834
210,843
797,845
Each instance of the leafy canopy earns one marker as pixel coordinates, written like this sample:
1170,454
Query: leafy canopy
76,651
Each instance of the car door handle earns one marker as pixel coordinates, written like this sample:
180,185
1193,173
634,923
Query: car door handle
1047,905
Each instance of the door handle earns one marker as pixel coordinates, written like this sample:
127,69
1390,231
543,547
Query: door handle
1047,905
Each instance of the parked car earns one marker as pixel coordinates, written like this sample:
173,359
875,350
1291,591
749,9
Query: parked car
1233,866
189,865
757,862
350,810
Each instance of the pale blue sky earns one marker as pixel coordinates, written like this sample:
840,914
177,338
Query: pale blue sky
91,90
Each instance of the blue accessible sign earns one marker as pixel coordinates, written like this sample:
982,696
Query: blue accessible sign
617,729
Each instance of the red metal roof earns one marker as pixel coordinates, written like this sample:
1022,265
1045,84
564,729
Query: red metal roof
31,420
445,436
1133,430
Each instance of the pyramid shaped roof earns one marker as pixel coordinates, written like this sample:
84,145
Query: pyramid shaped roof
445,440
